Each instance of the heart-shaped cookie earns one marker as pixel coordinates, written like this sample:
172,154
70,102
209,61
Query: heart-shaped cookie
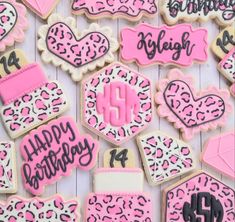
61,45
190,110
8,18
62,42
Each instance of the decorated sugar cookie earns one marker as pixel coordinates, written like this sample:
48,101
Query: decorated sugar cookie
194,10
219,153
53,151
36,209
75,53
199,197
13,23
29,98
119,158
189,111
116,103
118,196
41,8
148,45
224,42
132,10
8,177
12,61
164,157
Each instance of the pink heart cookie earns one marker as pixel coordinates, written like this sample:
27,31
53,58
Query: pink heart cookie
12,23
61,45
191,112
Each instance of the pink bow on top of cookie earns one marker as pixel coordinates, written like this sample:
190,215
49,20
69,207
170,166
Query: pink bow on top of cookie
13,23
189,111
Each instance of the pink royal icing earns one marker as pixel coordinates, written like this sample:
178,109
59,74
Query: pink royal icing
179,45
132,9
191,112
220,153
232,89
199,197
13,23
10,89
41,8
53,151
118,207
36,209
117,103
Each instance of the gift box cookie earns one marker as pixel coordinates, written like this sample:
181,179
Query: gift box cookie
29,99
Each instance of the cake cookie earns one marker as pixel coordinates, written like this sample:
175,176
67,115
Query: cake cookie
164,157
219,153
61,45
119,158
118,196
32,102
36,209
199,197
194,10
132,10
116,103
224,42
8,177
42,8
148,45
12,61
13,23
52,151
189,111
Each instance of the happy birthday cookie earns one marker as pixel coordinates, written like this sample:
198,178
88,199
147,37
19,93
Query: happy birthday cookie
31,103
41,8
61,45
8,177
148,45
13,23
53,151
36,209
164,157
199,197
116,103
132,10
203,10
189,111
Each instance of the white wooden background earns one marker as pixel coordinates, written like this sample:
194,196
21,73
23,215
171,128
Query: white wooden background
80,183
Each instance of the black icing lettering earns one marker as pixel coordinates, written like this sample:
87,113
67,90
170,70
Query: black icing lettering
118,156
225,40
151,47
203,205
203,7
12,60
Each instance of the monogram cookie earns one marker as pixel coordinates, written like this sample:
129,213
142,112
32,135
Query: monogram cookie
36,209
194,10
164,157
41,8
132,10
179,45
53,151
8,177
13,23
61,45
199,197
116,103
219,153
189,111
